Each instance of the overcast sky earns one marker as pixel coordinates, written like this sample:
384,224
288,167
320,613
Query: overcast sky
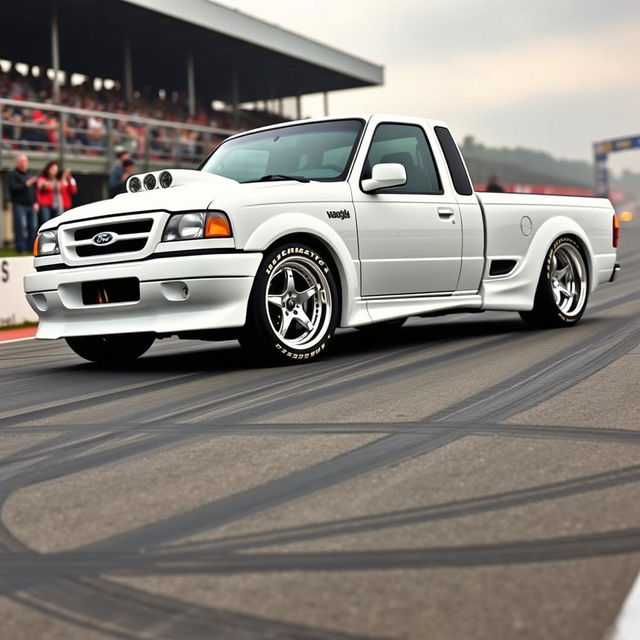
548,74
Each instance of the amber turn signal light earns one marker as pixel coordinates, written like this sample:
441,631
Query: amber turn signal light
616,230
217,226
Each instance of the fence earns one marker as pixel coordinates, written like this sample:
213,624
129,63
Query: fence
67,134
86,141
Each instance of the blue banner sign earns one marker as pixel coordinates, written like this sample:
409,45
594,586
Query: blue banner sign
601,151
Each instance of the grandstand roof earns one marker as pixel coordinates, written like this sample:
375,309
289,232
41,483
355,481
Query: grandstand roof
270,62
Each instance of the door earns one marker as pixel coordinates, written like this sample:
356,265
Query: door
410,237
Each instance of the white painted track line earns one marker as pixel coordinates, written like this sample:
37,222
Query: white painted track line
16,340
627,624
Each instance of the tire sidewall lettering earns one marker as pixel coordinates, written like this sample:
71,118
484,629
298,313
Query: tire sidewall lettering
548,267
264,331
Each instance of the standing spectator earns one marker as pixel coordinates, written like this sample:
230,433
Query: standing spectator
494,186
115,175
128,169
68,188
22,192
48,193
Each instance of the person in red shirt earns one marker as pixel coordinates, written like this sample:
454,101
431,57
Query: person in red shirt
48,193
68,188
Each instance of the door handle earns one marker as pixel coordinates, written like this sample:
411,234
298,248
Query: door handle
445,212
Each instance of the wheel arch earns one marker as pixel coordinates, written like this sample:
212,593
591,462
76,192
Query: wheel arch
516,292
308,230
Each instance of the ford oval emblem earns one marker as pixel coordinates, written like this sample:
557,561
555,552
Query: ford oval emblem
103,238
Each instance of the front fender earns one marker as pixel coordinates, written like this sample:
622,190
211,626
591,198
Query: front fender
278,227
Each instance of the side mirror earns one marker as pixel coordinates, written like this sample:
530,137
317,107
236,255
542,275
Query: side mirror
385,175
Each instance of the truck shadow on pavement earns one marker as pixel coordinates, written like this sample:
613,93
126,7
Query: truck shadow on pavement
348,344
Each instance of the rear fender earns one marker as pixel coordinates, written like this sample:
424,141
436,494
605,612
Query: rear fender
516,291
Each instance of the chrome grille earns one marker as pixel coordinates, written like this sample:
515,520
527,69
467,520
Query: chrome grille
124,237
130,236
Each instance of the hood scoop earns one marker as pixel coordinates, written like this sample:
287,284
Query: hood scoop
172,178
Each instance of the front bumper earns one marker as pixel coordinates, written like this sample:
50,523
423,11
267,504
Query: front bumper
182,293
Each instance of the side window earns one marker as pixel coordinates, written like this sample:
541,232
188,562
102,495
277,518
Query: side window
407,145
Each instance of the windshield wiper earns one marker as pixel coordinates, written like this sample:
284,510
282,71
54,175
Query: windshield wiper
282,176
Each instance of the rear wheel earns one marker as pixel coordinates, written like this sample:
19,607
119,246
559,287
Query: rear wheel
293,310
111,349
563,288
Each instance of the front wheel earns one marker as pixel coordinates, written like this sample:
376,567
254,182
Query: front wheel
111,349
293,310
563,288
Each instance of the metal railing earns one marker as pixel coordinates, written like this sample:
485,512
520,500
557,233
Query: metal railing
52,132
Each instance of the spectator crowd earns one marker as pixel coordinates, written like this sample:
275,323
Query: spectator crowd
35,199
39,129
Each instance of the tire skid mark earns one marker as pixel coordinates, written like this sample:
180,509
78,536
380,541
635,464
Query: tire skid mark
553,432
284,374
252,393
158,617
88,400
389,450
615,542
417,515
545,379
339,385
378,454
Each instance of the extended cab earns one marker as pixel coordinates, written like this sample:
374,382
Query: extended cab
287,232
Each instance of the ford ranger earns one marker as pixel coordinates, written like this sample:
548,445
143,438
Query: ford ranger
287,232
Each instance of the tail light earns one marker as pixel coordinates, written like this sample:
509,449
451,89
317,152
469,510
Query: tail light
616,230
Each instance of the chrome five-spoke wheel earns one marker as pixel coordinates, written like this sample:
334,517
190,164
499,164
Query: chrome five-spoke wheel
563,287
298,302
568,279
293,310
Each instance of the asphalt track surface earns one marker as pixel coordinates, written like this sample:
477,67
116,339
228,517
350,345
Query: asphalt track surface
461,477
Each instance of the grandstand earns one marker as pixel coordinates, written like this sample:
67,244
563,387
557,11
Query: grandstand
166,80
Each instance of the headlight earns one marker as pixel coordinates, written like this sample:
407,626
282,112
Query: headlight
200,224
46,244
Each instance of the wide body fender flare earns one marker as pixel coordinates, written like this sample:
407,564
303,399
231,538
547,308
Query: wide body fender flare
278,227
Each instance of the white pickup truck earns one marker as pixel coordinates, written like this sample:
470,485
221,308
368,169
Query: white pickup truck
287,232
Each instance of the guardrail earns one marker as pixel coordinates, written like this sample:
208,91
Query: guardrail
14,308
53,132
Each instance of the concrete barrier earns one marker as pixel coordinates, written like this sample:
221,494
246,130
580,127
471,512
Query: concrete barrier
14,308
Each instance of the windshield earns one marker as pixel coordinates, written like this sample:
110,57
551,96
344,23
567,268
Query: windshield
314,151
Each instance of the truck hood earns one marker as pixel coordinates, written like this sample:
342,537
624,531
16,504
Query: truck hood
193,190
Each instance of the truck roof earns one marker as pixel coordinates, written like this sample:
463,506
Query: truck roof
390,117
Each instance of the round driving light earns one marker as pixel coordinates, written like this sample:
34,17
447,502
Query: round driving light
191,225
149,181
135,185
165,179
